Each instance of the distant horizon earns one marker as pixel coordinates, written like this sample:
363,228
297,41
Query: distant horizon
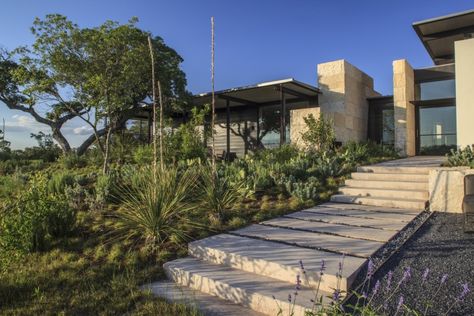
255,41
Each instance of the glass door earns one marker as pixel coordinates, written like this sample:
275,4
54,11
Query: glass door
436,130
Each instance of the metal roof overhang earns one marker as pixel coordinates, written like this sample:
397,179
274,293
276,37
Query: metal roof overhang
265,93
439,34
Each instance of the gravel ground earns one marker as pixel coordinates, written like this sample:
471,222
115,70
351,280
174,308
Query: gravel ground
442,246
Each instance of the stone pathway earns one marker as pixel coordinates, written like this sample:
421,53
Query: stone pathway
256,266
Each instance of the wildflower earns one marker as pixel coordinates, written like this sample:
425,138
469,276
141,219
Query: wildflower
323,267
336,295
302,267
400,303
425,275
289,298
406,276
364,294
465,291
370,269
389,280
298,282
273,296
376,288
443,278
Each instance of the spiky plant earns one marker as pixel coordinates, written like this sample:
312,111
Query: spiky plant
156,214
217,193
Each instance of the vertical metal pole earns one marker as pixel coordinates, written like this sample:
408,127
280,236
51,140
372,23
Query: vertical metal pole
227,128
282,117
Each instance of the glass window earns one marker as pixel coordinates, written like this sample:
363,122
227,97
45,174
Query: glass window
388,127
437,128
432,90
269,125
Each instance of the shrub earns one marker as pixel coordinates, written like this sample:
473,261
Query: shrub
153,211
143,155
461,157
319,134
71,161
59,181
35,218
304,191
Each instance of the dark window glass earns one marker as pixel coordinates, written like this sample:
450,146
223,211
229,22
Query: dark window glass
437,127
436,90
269,124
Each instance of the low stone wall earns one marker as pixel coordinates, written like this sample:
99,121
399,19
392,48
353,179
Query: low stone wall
446,186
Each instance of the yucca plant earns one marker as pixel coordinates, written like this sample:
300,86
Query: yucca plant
218,194
156,210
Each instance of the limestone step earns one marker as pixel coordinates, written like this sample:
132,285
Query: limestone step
361,213
379,201
358,232
276,260
388,184
313,240
389,176
379,223
384,169
207,304
260,293
385,193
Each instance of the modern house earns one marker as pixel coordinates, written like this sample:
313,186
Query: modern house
430,111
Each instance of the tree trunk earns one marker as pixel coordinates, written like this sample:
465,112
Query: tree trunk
61,140
105,168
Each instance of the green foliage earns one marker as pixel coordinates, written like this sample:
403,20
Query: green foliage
143,155
59,181
304,191
461,157
153,213
319,134
31,221
73,161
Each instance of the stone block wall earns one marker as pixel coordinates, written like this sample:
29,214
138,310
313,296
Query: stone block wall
297,124
446,187
345,90
404,111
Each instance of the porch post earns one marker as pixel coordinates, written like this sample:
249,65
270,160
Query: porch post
227,128
282,116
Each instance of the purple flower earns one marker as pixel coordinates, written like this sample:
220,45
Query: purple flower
443,278
302,267
376,288
465,291
406,276
425,274
323,267
289,298
298,282
370,269
274,297
364,294
400,303
389,280
336,295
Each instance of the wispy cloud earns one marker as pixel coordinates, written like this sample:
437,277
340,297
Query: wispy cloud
82,130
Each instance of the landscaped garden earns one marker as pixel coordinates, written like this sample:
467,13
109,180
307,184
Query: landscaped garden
81,230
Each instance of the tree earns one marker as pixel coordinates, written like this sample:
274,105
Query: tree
319,133
100,75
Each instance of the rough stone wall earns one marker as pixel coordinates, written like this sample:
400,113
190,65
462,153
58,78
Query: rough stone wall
404,111
297,124
345,90
446,187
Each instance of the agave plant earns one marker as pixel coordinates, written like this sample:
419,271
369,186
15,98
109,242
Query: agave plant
155,210
218,194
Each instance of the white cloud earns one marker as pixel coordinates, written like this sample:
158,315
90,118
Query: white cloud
82,130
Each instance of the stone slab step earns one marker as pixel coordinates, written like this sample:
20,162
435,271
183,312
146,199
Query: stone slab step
386,193
388,184
384,169
262,294
360,213
277,260
369,208
379,223
351,246
378,201
207,304
389,176
335,229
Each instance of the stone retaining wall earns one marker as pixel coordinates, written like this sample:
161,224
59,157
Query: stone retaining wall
446,187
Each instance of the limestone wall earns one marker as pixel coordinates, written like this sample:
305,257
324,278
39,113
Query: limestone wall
446,186
345,90
297,124
404,111
464,52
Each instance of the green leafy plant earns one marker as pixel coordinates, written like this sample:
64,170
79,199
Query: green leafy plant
461,157
319,134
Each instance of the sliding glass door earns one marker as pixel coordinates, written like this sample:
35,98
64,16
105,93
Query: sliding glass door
436,130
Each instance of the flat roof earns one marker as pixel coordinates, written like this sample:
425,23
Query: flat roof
439,34
262,93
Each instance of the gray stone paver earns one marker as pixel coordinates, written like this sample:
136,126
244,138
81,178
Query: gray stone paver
352,246
330,228
380,223
362,213
369,208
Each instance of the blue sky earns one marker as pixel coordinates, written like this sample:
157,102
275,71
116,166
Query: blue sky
256,40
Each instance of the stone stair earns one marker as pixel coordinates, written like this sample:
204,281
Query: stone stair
387,186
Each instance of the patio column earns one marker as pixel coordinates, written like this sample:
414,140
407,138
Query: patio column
282,116
227,128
